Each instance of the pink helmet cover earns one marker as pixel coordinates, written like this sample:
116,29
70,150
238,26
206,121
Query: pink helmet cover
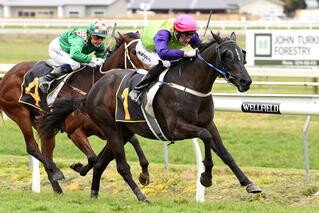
185,23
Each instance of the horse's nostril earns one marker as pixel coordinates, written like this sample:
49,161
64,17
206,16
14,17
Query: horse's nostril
245,82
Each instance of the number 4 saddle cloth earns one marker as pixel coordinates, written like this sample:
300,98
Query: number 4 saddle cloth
30,91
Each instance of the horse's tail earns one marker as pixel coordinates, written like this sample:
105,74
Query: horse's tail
52,121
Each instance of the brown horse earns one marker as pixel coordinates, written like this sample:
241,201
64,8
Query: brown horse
181,113
77,125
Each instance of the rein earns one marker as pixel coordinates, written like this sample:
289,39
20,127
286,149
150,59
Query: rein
225,74
222,72
126,56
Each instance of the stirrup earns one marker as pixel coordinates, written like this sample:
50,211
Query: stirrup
45,86
135,96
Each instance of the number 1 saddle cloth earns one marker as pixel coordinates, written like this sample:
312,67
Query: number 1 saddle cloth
129,111
126,109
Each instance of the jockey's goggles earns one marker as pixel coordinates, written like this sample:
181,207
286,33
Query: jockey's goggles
186,34
96,37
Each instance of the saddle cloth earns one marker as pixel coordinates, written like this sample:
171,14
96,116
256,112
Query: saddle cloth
30,91
126,109
129,111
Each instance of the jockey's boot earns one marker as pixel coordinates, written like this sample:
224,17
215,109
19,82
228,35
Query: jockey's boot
45,81
154,72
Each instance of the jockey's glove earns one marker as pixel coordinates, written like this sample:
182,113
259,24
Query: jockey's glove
190,53
97,61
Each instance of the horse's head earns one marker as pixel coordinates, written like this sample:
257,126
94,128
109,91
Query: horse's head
131,59
231,59
123,54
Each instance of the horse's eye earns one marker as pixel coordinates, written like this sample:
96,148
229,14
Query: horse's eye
134,52
227,56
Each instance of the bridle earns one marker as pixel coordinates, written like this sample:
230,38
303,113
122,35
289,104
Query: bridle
127,55
221,71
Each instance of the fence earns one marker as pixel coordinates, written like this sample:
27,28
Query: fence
139,23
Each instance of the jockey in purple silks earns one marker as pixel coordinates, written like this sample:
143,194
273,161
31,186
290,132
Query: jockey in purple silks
161,44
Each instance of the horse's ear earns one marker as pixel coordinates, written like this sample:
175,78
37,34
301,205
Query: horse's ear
217,37
233,36
121,36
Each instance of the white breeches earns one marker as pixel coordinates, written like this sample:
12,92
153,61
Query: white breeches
61,57
148,57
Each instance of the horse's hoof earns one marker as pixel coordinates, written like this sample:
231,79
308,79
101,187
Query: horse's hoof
251,188
59,192
144,179
57,175
76,167
94,194
139,195
146,200
205,180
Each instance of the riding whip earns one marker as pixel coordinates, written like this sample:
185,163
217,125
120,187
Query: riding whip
112,35
210,15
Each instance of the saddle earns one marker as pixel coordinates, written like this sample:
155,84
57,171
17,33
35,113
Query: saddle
30,91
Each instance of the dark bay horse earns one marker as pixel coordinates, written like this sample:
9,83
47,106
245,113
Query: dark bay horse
77,125
181,114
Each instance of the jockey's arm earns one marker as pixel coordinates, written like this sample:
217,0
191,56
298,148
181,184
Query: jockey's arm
195,41
161,40
76,46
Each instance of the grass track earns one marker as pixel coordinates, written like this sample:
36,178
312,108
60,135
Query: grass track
171,191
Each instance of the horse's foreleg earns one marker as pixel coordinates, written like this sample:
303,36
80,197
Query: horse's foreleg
192,131
144,176
79,138
219,148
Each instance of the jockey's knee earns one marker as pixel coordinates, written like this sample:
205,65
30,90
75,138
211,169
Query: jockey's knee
166,64
66,68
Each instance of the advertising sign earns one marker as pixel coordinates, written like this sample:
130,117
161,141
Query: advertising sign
283,47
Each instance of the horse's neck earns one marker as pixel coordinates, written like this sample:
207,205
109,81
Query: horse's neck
116,60
196,75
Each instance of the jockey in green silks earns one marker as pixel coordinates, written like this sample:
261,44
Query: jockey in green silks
162,44
73,48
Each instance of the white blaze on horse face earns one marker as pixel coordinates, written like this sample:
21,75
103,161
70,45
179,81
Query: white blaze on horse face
238,56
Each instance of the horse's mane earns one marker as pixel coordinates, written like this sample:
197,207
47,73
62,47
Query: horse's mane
200,47
205,45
